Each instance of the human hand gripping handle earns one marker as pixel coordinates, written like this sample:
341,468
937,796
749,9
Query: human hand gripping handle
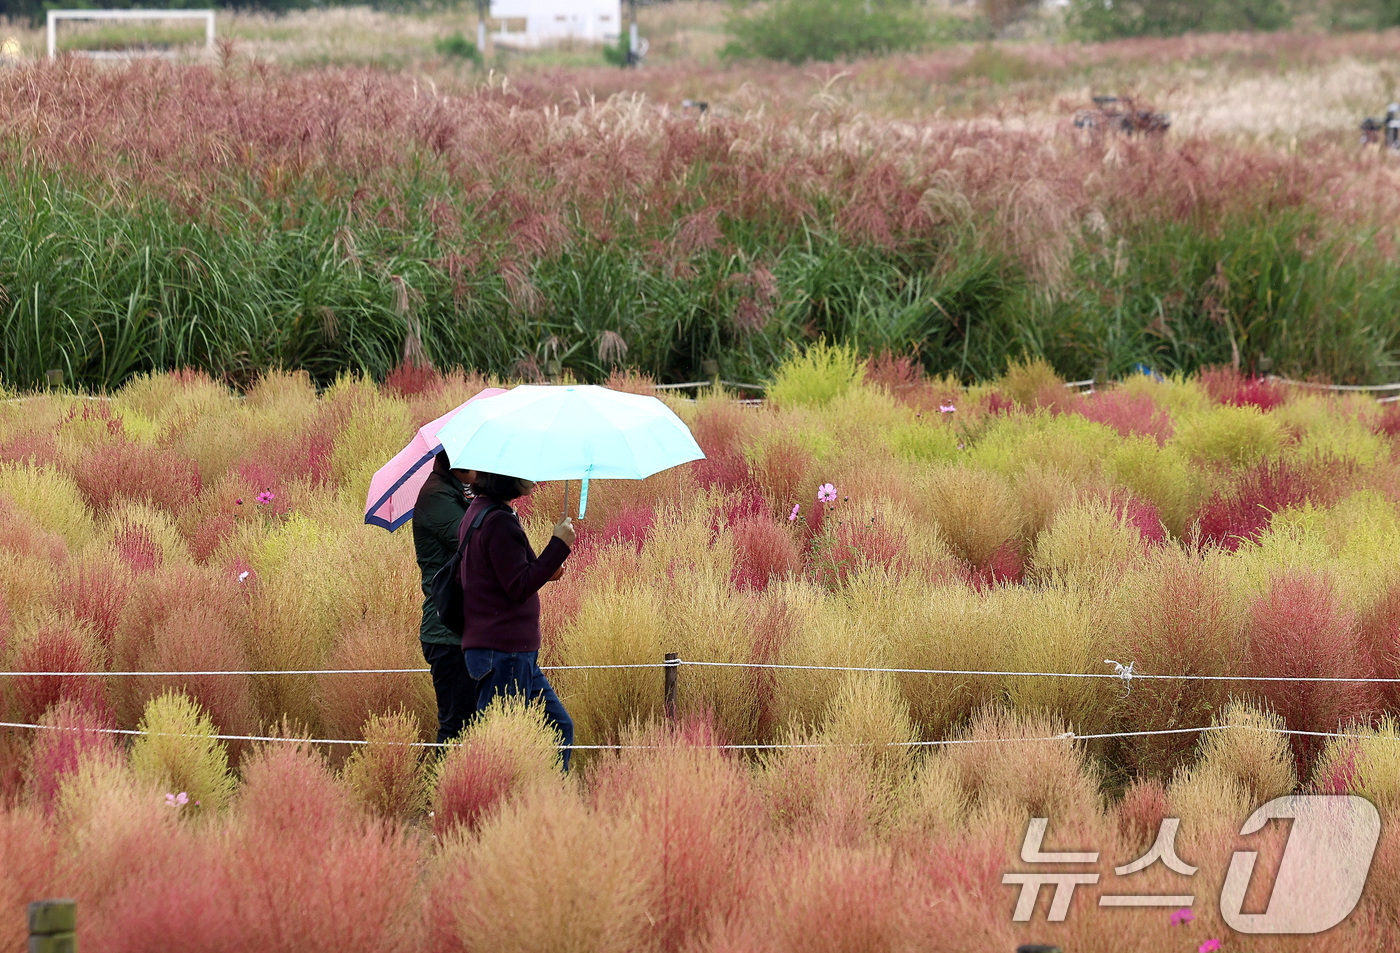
564,529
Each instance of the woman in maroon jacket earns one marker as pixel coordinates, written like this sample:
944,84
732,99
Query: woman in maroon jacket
501,578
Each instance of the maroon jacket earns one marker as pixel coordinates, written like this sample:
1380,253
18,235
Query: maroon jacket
501,579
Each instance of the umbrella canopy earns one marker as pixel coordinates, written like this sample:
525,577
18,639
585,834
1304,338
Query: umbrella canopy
569,432
394,489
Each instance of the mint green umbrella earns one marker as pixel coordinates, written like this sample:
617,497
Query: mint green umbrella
568,432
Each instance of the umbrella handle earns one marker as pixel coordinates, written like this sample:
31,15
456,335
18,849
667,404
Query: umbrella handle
566,499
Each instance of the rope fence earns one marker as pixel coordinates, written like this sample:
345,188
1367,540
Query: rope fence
1122,673
943,742
671,667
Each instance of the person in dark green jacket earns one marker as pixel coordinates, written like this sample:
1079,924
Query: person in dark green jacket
437,513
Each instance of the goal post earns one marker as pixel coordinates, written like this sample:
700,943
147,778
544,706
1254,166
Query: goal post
55,15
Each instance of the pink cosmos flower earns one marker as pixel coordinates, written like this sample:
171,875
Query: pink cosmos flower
793,515
239,501
1209,946
826,493
177,800
946,408
266,497
1184,915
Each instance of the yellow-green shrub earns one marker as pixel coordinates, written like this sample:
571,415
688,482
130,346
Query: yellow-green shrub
1234,436
179,751
816,376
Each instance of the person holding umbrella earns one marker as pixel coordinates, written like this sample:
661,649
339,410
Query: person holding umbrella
538,432
437,515
501,578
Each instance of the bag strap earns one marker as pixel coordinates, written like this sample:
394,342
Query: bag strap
476,524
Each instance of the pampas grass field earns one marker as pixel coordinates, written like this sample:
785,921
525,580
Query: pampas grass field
1205,526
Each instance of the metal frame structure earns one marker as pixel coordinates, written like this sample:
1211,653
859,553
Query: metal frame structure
55,15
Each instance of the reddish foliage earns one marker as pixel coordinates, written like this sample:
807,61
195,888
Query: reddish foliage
197,636
785,472
78,731
1128,413
897,373
1141,812
1228,386
854,546
763,549
1300,628
14,752
1380,633
773,626
411,380
19,533
631,524
475,780
1005,567
35,449
55,647
998,404
1145,517
1340,774
1388,422
630,382
302,455
122,470
96,595
209,534
1245,510
719,428
727,470
704,817
312,871
137,549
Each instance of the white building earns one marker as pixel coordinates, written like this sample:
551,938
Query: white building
540,22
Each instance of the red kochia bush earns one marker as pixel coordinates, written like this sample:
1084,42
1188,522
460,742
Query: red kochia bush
1005,567
763,549
631,524
96,594
119,469
56,647
1300,628
1145,518
853,546
1380,633
1229,386
137,549
700,809
1245,510
410,380
74,731
1128,413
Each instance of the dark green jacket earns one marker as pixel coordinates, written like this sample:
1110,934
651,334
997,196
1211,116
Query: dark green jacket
436,515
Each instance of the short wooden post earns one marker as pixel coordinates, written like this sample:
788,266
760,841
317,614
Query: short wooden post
710,368
673,669
55,377
53,926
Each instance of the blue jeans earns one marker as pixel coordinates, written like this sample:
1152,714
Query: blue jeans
518,673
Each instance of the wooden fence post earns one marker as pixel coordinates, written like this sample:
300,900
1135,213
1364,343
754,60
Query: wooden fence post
53,926
673,669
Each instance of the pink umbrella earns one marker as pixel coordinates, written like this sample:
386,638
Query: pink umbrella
394,489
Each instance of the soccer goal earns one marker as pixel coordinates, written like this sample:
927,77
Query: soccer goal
55,15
